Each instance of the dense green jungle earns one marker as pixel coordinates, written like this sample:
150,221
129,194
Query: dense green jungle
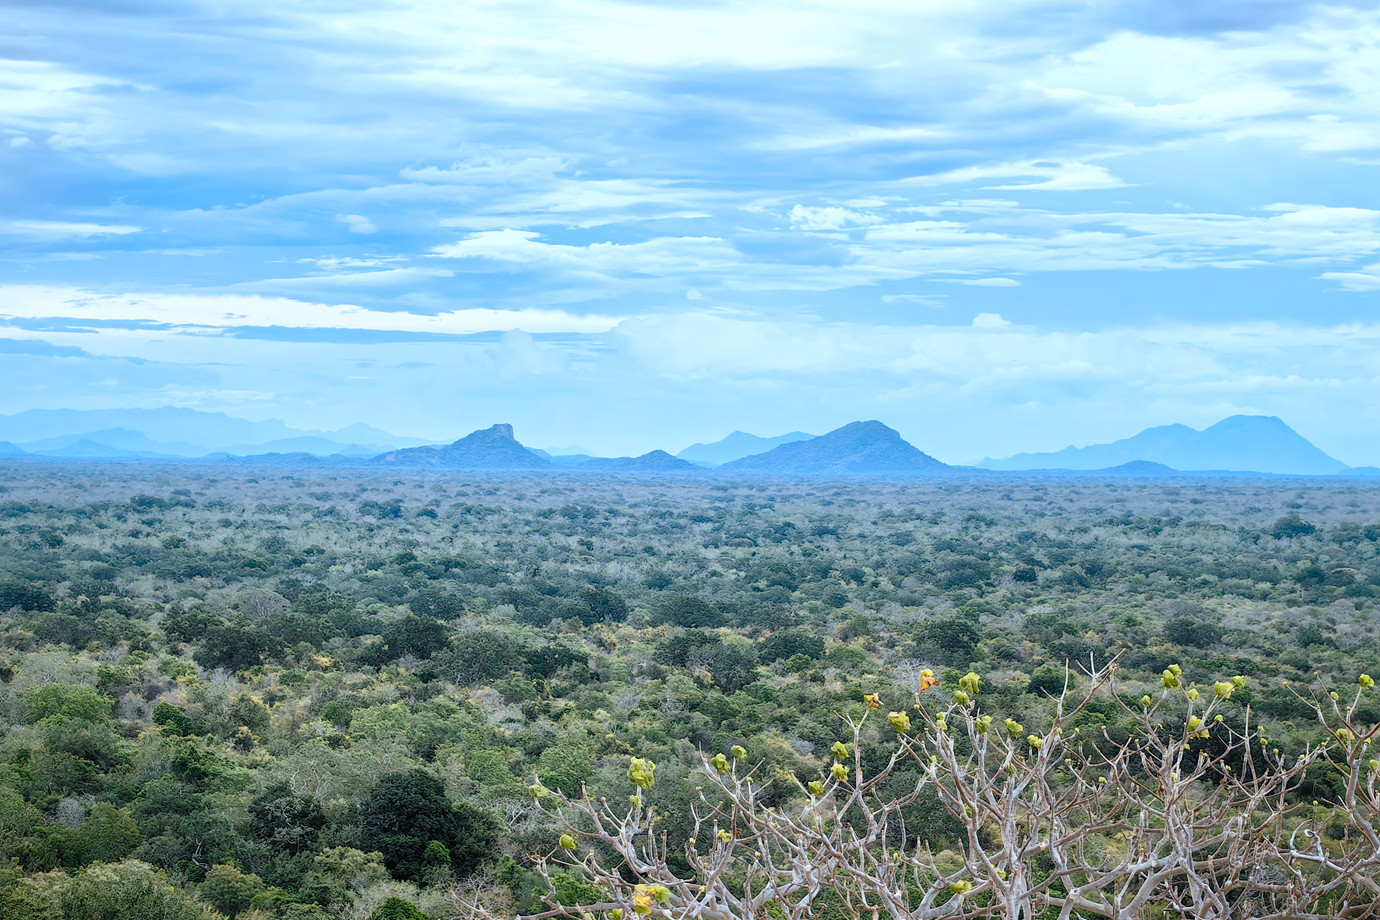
314,693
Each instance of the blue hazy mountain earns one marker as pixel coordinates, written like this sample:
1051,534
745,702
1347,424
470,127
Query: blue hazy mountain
318,447
121,440
735,446
1140,468
85,448
563,459
8,449
1255,443
186,433
493,448
288,459
657,461
856,449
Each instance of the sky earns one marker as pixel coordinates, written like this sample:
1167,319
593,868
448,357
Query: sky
995,225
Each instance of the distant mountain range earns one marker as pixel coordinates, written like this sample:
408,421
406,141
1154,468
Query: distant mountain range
563,459
736,446
1255,443
497,448
1140,468
657,461
493,448
858,448
1235,446
173,432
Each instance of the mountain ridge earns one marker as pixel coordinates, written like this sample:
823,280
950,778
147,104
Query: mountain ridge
492,448
737,445
857,449
183,432
1238,443
655,461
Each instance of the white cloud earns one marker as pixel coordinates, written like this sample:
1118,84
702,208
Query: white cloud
61,229
335,263
229,311
658,257
1173,357
1367,279
356,223
929,300
1054,177
827,218
489,170
981,282
388,277
846,135
983,239
1001,238
29,88
1070,177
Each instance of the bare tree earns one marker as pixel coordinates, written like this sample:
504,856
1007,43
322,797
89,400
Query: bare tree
1186,817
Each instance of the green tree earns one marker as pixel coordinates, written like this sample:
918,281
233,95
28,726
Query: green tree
407,811
17,820
128,890
788,643
1192,632
285,821
605,605
420,637
235,646
1049,681
947,640
565,766
108,835
476,655
229,890
24,595
61,703
174,720
1291,525
691,612
397,909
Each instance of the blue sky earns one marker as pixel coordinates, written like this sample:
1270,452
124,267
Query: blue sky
997,226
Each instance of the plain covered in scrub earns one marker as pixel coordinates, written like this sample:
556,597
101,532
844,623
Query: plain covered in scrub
342,692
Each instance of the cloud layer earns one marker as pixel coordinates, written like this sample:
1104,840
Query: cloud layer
661,222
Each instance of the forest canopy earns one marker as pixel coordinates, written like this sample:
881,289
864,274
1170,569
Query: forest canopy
309,693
